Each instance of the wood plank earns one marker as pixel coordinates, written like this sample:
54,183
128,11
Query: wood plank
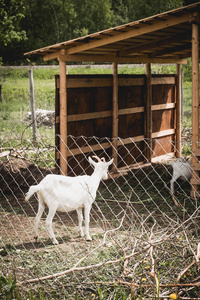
163,133
178,111
159,42
196,152
130,140
195,100
100,82
195,181
133,110
102,114
124,60
115,117
196,167
107,82
123,171
63,118
106,145
162,106
164,157
162,80
148,112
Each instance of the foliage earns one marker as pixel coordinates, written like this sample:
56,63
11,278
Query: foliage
7,287
11,12
28,25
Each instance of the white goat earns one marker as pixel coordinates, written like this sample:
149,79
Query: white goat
181,169
65,194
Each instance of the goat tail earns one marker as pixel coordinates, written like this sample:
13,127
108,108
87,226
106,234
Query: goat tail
32,190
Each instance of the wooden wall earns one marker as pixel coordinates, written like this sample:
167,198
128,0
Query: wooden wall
89,106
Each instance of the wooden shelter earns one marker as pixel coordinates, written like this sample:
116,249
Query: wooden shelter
169,37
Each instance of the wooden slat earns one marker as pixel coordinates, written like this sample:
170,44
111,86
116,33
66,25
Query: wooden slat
195,181
96,147
164,157
195,100
101,82
196,152
107,82
162,80
124,170
143,29
115,117
162,106
102,114
163,133
196,167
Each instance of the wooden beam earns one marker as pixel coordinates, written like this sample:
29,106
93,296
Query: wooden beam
106,145
115,118
63,118
114,58
161,42
121,112
78,82
178,111
162,106
163,133
171,50
148,112
53,55
143,28
104,114
195,99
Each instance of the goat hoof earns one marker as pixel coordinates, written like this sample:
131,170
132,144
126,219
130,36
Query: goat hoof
88,239
36,238
55,242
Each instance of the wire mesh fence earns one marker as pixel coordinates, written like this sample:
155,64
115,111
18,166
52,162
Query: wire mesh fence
145,241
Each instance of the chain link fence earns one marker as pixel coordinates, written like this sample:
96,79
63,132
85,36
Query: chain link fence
145,242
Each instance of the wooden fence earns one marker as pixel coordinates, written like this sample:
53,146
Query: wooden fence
90,113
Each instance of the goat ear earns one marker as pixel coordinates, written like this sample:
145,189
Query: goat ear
110,162
91,161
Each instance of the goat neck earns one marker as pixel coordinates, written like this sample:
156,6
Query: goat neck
96,178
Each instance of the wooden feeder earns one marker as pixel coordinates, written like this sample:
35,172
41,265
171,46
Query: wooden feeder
131,107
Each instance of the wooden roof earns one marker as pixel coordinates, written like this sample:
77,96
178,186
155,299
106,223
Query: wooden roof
163,38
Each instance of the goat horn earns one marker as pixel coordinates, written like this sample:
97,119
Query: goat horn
103,160
94,156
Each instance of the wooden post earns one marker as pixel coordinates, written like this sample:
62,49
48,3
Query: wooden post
195,100
178,111
115,117
32,104
63,116
148,112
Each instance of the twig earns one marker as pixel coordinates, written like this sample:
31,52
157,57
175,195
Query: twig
197,257
153,272
143,285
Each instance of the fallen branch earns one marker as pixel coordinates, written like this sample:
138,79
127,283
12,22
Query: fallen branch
196,260
143,285
153,270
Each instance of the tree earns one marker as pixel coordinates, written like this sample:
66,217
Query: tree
11,15
143,8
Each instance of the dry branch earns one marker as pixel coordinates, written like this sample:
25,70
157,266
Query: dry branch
196,260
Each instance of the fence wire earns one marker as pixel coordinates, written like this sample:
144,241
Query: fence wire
145,241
